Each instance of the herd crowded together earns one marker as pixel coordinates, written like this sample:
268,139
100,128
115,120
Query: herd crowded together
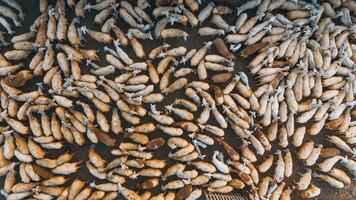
219,129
